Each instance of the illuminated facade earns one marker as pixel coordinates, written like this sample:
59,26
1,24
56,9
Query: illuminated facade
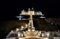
30,33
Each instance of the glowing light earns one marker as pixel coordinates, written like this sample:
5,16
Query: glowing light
28,29
47,34
11,31
45,38
42,34
20,17
39,13
33,30
18,34
42,17
22,27
17,29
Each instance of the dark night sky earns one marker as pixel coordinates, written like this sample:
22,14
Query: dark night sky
9,8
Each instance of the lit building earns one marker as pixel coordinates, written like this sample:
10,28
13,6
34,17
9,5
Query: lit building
30,33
